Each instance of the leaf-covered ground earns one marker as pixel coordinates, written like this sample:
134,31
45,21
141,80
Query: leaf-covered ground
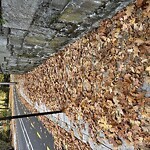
99,78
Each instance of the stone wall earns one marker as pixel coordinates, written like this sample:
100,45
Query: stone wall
35,30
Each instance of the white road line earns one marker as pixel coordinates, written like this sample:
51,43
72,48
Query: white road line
17,147
21,126
27,135
29,144
17,140
24,135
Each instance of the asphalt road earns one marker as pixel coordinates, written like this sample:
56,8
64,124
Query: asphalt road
30,133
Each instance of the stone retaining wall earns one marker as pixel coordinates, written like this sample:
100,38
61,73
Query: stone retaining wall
35,30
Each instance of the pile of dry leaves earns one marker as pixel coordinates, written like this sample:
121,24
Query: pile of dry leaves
99,78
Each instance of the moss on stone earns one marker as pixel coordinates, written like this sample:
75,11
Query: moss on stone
25,55
35,41
57,42
72,15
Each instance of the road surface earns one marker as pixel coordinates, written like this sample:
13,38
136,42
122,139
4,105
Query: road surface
30,133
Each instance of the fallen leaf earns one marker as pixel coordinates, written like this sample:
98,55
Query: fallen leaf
139,3
130,100
118,113
147,12
135,26
148,8
103,123
130,50
132,21
129,11
129,136
127,78
115,100
148,69
86,85
135,51
147,80
141,27
125,27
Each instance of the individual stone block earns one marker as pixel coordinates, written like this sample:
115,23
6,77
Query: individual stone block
18,33
3,51
57,42
35,40
59,4
14,40
19,13
46,33
72,14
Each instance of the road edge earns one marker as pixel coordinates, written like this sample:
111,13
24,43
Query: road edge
13,124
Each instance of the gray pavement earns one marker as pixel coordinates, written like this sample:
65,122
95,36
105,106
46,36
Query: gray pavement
30,132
